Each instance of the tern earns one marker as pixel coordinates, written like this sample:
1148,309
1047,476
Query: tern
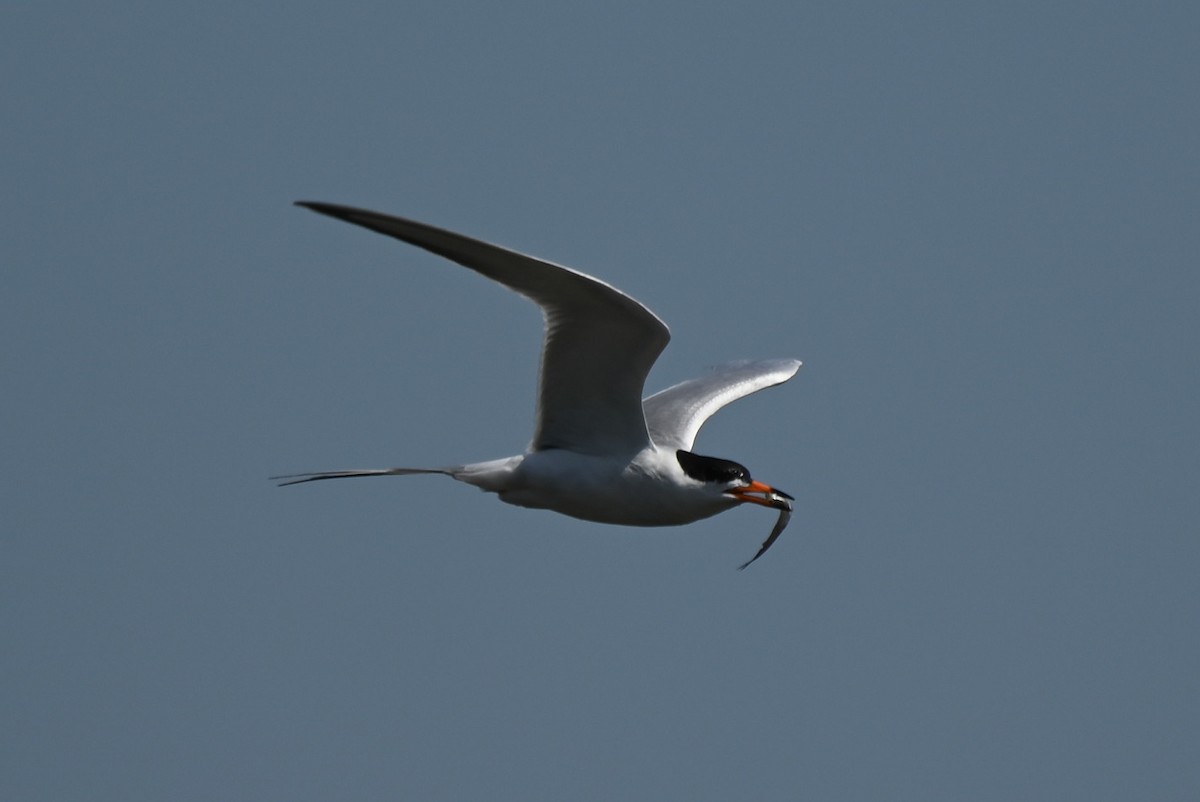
600,451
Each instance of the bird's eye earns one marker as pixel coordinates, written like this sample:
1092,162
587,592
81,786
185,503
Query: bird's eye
711,469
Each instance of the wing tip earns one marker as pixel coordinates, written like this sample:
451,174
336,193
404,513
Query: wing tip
789,362
320,207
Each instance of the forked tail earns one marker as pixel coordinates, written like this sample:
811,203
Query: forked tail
299,478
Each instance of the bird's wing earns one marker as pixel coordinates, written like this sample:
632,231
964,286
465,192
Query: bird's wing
599,343
675,415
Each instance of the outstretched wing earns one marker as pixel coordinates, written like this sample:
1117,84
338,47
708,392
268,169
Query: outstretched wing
599,343
675,415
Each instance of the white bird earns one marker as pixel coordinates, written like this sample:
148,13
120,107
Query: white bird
599,451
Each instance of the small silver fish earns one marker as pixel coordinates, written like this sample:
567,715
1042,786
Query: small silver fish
784,503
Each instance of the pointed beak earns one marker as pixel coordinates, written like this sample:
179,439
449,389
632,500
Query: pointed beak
764,495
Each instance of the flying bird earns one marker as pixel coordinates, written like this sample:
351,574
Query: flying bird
600,451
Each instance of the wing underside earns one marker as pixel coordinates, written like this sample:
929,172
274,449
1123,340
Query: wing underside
599,343
675,415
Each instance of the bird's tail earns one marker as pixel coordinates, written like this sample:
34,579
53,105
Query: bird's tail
299,478
494,476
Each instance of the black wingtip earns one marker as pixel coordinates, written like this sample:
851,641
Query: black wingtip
331,209
349,214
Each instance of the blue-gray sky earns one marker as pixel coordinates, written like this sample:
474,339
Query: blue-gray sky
975,223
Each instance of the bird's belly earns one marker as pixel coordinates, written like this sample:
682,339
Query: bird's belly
596,489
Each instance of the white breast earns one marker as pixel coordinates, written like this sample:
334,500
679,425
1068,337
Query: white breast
648,489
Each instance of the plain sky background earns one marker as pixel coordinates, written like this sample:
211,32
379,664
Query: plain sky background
976,223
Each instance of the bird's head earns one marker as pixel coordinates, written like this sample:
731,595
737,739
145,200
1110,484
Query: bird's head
731,480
